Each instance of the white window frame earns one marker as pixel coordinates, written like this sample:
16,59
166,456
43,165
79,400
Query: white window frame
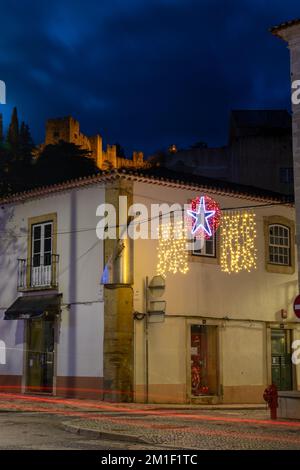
281,244
203,251
41,274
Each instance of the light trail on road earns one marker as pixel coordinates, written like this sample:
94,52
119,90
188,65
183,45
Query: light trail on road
142,411
228,434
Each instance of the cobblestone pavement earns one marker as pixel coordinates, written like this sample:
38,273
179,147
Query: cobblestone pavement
210,430
37,423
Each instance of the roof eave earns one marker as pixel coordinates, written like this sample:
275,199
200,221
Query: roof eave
282,30
116,174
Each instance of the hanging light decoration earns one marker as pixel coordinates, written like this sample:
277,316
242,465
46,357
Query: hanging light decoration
238,242
203,217
172,252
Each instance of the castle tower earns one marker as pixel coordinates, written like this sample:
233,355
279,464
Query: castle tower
60,129
138,159
111,156
96,148
67,129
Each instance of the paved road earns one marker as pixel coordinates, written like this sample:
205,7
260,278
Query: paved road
27,430
32,431
34,422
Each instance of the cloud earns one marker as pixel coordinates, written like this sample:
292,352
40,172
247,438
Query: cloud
144,73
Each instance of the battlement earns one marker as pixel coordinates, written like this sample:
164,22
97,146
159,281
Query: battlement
68,129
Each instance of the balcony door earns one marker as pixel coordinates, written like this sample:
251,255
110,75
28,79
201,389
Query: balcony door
41,258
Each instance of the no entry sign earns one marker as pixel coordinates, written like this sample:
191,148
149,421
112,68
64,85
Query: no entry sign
297,306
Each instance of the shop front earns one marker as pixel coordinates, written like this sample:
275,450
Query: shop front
40,313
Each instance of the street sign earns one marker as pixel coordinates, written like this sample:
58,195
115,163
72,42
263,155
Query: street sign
297,306
156,317
155,308
157,286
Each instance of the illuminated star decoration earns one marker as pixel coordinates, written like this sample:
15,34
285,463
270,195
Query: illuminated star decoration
201,218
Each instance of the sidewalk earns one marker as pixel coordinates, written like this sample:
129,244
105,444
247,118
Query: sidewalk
9,401
199,429
189,406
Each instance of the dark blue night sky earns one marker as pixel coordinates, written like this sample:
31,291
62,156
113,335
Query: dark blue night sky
145,73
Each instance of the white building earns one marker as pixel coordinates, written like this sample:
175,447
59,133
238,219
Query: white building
66,334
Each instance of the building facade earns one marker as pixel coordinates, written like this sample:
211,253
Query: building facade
223,337
290,33
257,138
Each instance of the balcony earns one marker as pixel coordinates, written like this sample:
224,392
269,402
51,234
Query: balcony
40,273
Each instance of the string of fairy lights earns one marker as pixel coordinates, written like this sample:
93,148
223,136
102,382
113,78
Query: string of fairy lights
172,252
238,242
238,237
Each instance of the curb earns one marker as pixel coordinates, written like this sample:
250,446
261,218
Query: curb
109,435
205,408
118,437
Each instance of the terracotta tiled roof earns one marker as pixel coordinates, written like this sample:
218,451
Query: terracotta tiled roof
158,175
275,29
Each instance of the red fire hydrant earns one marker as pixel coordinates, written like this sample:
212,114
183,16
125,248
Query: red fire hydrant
271,397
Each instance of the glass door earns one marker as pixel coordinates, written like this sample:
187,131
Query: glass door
204,360
41,261
282,373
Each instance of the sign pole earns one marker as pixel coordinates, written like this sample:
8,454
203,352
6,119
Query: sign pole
147,341
153,289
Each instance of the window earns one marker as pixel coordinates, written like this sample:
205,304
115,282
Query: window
41,244
286,175
208,248
279,244
55,134
42,259
41,254
279,234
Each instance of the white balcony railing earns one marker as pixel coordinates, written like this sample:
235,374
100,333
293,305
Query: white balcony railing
43,273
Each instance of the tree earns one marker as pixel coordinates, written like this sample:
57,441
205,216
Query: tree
26,144
61,162
1,129
6,186
15,157
13,133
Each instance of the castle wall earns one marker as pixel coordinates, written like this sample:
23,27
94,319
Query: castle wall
68,129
